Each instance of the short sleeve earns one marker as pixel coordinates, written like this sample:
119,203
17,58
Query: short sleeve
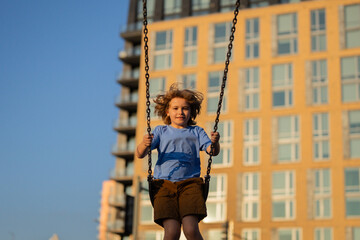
156,140
204,139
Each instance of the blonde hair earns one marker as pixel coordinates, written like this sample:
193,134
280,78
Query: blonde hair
192,97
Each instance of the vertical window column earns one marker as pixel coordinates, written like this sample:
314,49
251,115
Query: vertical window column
190,47
252,39
283,195
163,50
352,25
350,78
352,192
282,85
286,34
251,150
318,30
321,138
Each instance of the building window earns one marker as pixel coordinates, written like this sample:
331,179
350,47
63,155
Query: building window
350,78
287,34
323,234
283,195
188,81
146,210
353,233
190,48
251,142
140,16
156,86
220,45
353,138
214,86
216,202
163,50
287,234
251,234
252,89
252,39
226,130
282,85
319,82
352,25
227,5
352,192
286,132
200,7
251,197
258,3
322,193
321,147
152,235
172,9
318,30
213,234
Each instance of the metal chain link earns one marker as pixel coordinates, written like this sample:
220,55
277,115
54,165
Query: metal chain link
147,76
223,85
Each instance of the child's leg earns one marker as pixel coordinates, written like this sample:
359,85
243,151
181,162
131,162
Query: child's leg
172,229
191,228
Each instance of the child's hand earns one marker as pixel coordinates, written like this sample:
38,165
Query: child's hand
147,139
215,137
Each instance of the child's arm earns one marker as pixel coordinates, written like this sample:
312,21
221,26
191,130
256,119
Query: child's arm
144,147
215,137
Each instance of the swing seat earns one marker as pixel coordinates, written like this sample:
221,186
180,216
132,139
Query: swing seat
205,189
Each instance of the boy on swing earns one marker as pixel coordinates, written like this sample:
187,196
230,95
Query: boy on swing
179,199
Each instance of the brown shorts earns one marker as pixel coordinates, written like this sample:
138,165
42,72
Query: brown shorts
176,200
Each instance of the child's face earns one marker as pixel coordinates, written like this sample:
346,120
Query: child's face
179,112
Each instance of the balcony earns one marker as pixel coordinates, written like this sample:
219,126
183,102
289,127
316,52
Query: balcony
129,79
126,126
127,102
124,176
132,32
117,226
118,200
131,55
124,151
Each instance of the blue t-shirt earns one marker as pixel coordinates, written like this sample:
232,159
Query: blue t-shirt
179,151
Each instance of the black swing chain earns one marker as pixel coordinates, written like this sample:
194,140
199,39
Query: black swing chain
147,76
223,85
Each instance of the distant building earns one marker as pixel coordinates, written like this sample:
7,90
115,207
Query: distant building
54,237
289,168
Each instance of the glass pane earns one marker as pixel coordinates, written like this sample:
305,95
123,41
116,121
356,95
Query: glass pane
352,38
352,17
219,54
352,207
220,32
352,177
212,104
278,99
349,92
146,213
284,152
285,235
355,148
284,24
284,46
278,209
278,181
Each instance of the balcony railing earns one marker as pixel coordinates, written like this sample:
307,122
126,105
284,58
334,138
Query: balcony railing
123,148
122,173
118,200
117,226
130,55
127,102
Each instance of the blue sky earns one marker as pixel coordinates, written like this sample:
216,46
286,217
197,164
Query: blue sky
58,67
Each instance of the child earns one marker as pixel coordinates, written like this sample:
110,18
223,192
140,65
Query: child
178,186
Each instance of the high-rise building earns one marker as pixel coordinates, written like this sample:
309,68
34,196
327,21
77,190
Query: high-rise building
289,167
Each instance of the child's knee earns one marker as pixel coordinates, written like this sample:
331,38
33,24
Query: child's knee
172,229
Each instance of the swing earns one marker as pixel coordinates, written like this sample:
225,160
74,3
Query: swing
147,76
